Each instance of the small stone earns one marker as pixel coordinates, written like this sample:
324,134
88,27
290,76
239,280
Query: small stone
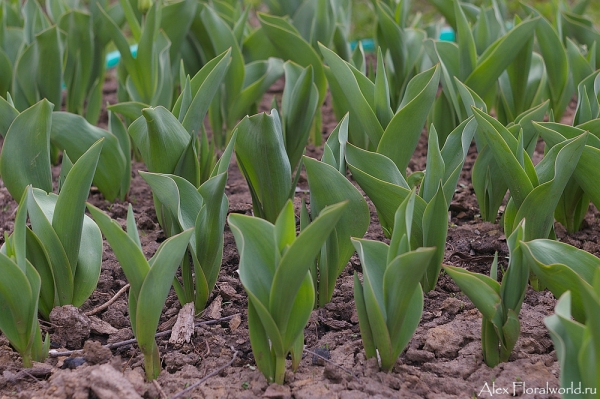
95,353
322,353
72,363
276,391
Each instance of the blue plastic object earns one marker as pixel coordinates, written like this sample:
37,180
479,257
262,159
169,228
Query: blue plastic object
113,58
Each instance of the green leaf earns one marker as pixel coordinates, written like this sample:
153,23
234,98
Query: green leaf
25,157
400,282
154,290
261,155
328,187
70,205
112,173
499,56
561,267
481,290
161,139
41,208
360,108
373,255
290,45
408,122
519,183
539,205
296,261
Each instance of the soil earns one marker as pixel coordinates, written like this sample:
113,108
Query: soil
443,359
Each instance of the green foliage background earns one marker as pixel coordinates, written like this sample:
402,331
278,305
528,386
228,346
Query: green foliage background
363,17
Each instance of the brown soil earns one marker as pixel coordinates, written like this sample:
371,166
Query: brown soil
443,360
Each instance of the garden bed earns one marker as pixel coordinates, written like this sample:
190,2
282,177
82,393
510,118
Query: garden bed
443,359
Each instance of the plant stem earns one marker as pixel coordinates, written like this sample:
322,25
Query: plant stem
279,369
152,363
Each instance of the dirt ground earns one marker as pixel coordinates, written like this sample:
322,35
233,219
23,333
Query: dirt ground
443,360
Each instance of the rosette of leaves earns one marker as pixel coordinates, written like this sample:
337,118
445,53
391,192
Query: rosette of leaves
329,186
389,301
381,180
150,279
561,267
499,303
263,160
181,206
578,345
20,293
63,244
274,270
374,123
535,191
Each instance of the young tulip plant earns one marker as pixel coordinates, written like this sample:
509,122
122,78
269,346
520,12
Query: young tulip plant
263,160
561,267
20,293
578,344
329,186
63,244
381,180
203,209
535,191
374,124
499,303
389,301
275,272
150,280
168,141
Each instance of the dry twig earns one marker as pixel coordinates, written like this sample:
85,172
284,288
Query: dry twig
107,304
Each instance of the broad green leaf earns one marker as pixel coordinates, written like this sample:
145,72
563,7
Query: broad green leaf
127,252
299,105
38,204
161,139
297,260
111,176
155,288
255,239
501,54
539,205
519,184
408,122
373,255
366,332
70,205
567,336
290,45
481,290
359,107
25,157
8,113
435,230
261,155
204,86
400,281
